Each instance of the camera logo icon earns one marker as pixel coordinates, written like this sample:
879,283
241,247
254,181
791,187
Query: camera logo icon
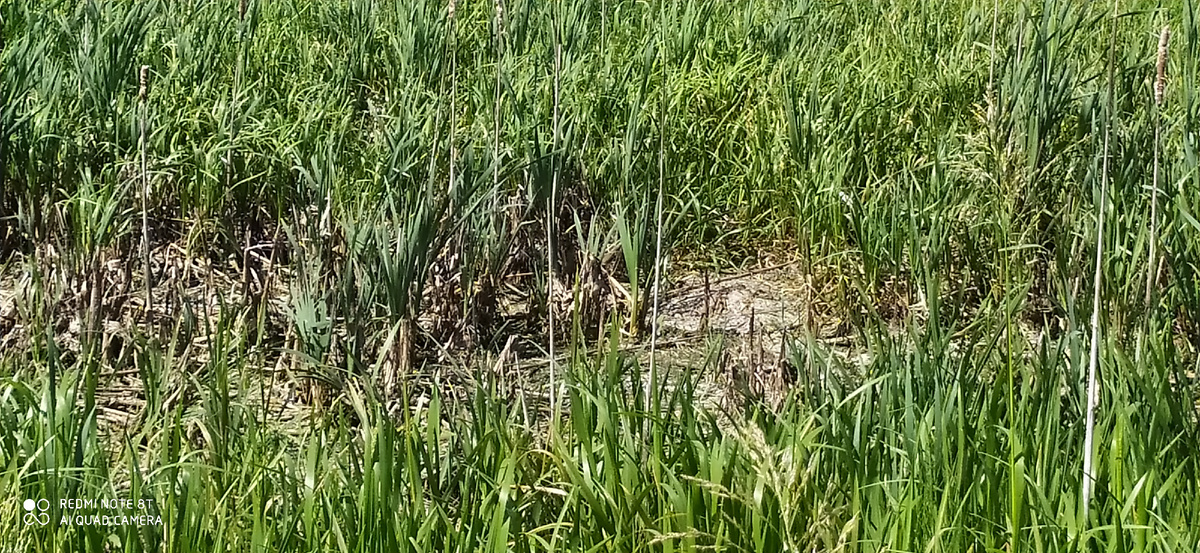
35,512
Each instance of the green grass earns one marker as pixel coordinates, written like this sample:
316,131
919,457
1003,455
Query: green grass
341,193
917,456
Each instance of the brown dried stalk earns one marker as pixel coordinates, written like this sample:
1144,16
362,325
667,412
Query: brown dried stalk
1160,83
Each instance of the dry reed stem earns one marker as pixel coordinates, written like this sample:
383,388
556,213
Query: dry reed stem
499,5
496,112
1160,86
658,231
451,46
143,83
991,90
550,203
1093,389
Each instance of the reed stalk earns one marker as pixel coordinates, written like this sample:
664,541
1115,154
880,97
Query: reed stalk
453,98
653,400
552,200
1160,86
143,78
991,89
1093,389
234,95
499,6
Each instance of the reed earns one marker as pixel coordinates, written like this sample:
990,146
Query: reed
653,401
500,34
552,199
1093,385
235,98
452,47
143,84
1160,86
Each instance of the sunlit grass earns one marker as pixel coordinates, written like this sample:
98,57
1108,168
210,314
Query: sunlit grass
337,195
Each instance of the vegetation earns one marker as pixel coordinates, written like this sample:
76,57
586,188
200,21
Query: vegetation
364,275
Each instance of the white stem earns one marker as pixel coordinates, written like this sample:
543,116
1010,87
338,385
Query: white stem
1151,269
550,202
658,226
496,105
453,102
1093,391
145,201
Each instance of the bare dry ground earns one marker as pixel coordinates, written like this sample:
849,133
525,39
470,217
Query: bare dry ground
739,329
744,319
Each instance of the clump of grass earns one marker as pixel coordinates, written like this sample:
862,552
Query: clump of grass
905,459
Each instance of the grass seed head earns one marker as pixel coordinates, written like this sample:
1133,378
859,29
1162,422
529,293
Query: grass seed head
242,11
1160,83
500,18
143,77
